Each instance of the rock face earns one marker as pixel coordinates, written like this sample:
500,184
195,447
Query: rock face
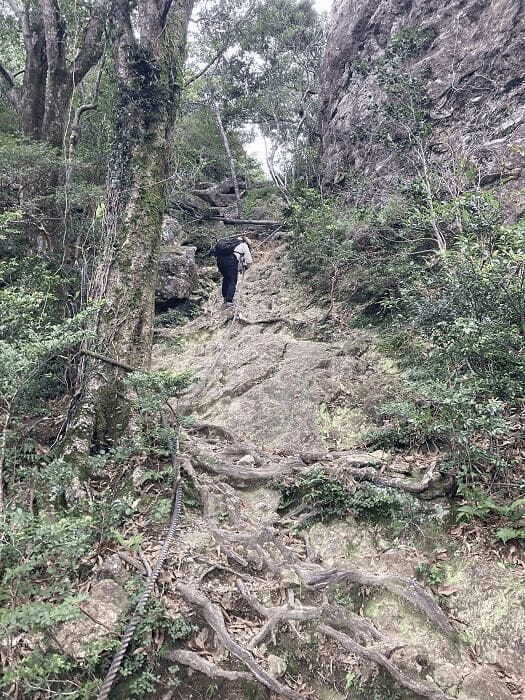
464,60
177,274
101,614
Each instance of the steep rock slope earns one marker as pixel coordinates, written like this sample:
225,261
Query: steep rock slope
271,402
465,59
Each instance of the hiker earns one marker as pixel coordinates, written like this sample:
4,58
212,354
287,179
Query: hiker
233,254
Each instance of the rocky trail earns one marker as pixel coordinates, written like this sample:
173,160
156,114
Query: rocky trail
334,610
387,598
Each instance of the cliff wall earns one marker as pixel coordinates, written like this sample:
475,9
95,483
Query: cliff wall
457,66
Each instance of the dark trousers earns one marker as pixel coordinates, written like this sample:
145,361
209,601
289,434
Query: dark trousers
229,268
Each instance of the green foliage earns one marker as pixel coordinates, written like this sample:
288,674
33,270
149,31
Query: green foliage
151,391
176,317
321,250
432,574
352,681
481,506
453,319
506,534
198,150
326,499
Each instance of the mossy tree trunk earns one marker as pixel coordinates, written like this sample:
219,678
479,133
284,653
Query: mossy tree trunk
53,68
149,57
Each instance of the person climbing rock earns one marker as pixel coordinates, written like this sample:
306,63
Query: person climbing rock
233,255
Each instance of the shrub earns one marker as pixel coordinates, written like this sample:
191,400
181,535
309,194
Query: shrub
321,498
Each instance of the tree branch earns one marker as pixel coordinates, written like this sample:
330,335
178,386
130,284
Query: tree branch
74,133
165,12
208,65
8,83
92,46
224,47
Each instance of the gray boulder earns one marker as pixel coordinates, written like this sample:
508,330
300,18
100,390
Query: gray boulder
177,273
101,613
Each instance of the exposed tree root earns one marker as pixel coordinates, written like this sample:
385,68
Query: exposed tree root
405,588
214,617
371,475
242,472
376,657
199,663
212,429
275,615
265,548
202,489
316,578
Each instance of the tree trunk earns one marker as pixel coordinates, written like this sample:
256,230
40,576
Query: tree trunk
3,446
34,86
149,72
231,160
44,99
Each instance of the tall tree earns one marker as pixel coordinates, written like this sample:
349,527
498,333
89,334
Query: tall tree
261,67
56,59
149,56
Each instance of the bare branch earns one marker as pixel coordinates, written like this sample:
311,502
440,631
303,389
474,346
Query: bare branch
74,134
165,12
224,47
208,65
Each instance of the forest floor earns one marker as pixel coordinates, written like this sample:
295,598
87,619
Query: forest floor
405,606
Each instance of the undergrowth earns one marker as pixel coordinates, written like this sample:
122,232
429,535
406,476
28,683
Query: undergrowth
319,498
451,319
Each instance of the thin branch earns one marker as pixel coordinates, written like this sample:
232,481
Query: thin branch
74,134
207,67
165,12
224,47
108,360
6,77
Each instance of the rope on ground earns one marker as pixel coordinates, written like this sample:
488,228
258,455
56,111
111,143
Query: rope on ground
152,579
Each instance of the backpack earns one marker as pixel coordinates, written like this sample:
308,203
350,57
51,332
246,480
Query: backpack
226,246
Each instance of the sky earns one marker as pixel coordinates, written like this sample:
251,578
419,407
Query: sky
323,5
256,147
